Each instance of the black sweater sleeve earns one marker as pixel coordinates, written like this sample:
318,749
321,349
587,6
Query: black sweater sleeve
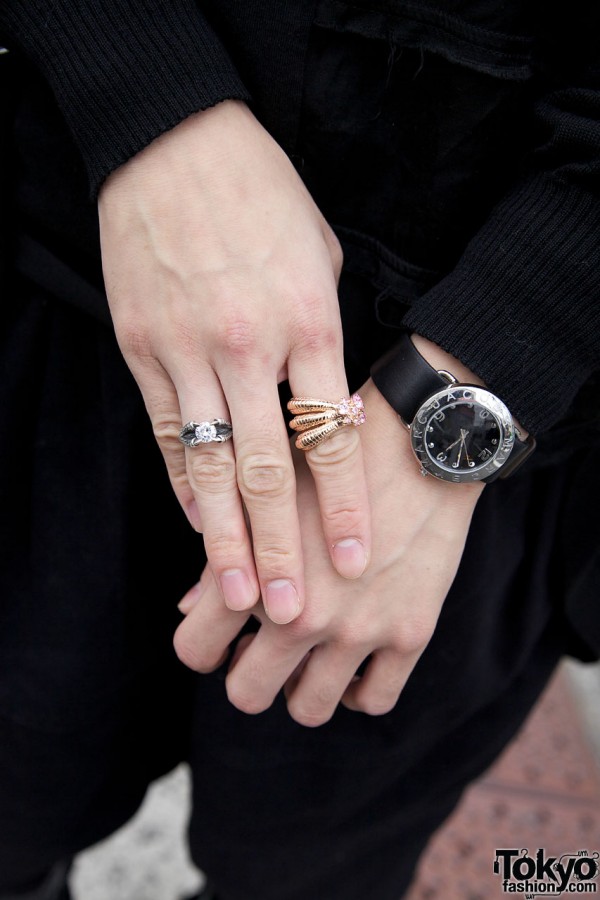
521,307
122,73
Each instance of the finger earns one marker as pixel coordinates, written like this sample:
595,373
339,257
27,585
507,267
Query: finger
377,691
162,405
211,472
264,667
266,479
202,640
241,645
336,464
292,682
322,683
189,600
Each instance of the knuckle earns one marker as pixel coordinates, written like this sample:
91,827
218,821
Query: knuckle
310,718
376,705
136,345
325,697
315,337
277,560
340,448
223,548
166,431
354,637
306,629
188,653
245,699
238,338
211,470
413,636
341,521
259,475
317,325
135,342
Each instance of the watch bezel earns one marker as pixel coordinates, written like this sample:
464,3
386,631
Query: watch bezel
470,393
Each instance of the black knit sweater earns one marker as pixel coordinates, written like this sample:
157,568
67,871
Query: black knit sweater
520,306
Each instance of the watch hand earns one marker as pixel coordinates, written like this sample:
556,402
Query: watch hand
463,446
464,432
450,446
460,450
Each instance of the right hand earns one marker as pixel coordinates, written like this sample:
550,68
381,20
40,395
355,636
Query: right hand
384,619
221,276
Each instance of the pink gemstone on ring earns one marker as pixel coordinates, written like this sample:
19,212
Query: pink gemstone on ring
352,409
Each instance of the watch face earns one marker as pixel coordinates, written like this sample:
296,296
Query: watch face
462,433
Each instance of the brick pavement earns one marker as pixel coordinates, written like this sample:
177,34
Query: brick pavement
544,792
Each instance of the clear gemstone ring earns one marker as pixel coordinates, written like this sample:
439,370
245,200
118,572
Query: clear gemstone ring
195,433
317,420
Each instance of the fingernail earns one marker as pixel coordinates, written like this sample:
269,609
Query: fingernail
237,589
349,558
281,601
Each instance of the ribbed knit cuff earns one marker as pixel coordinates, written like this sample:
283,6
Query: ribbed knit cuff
122,73
520,308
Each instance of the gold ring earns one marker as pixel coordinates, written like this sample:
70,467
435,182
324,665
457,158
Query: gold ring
317,420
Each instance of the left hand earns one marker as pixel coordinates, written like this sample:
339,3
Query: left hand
221,276
389,614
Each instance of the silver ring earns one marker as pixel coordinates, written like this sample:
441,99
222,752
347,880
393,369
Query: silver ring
195,433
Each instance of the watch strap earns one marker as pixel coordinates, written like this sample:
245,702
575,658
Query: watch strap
405,378
519,453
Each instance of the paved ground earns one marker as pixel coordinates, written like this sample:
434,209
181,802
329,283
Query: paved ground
147,859
543,793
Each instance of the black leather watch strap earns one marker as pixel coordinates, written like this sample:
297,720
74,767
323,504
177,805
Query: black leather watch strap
519,453
405,378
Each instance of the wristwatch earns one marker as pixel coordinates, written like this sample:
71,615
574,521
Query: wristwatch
459,432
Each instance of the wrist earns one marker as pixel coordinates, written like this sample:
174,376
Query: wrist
210,135
442,360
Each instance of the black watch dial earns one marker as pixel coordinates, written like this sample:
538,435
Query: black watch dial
462,433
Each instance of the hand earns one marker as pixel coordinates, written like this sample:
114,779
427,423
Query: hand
221,277
388,615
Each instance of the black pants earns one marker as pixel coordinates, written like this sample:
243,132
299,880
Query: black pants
94,705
